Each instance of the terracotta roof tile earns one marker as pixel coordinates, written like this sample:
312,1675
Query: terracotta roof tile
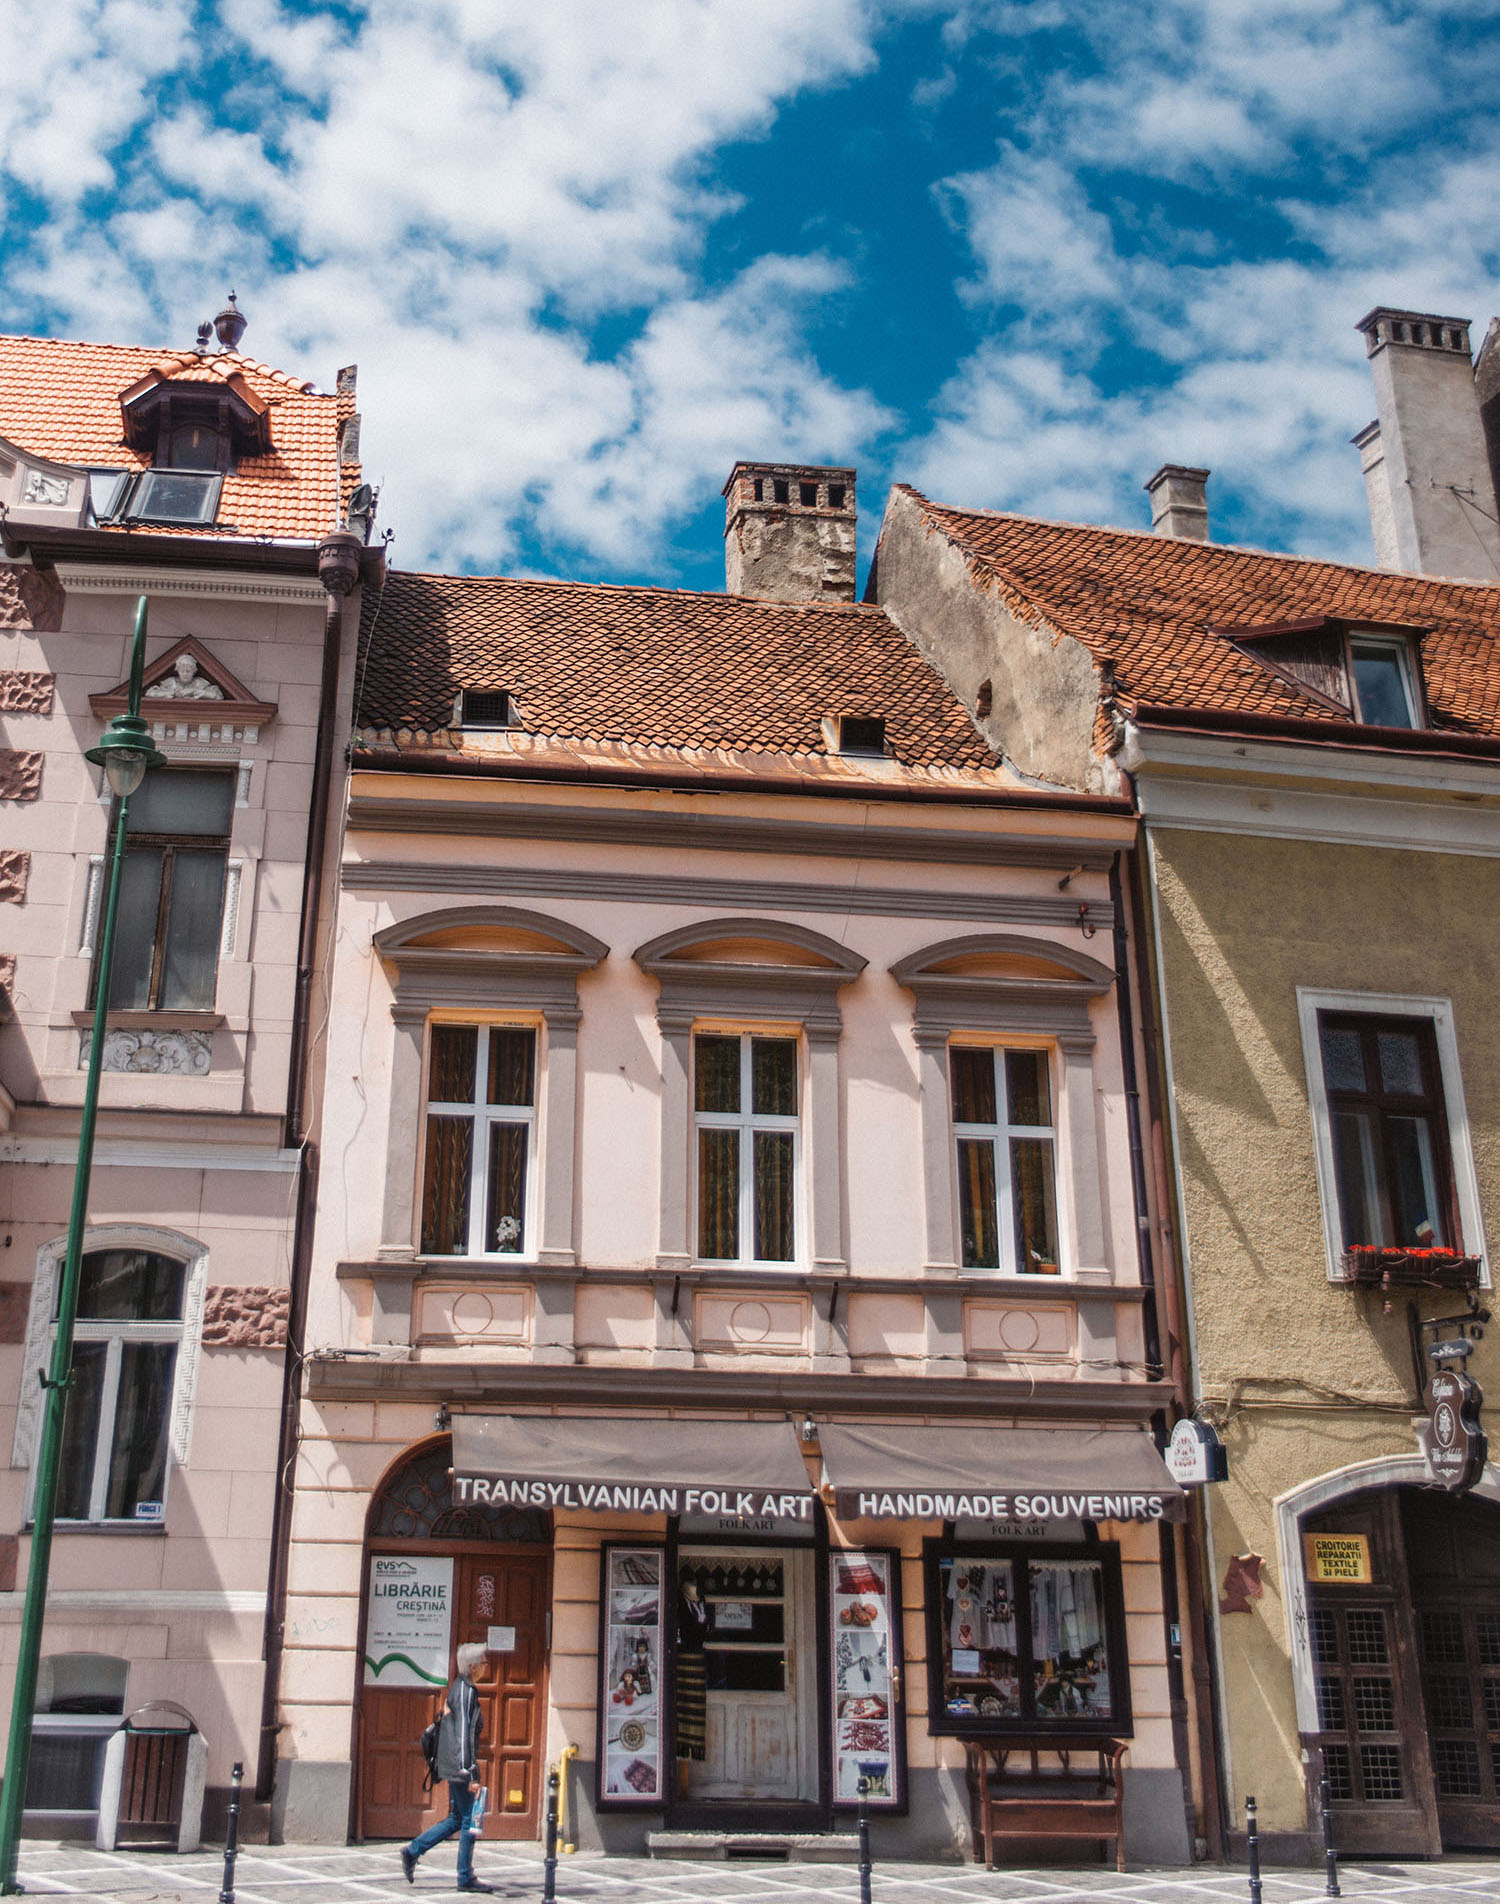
653,667
1153,607
62,400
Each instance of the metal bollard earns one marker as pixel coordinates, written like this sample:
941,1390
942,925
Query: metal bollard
232,1834
549,1866
1252,1845
1330,1856
864,1843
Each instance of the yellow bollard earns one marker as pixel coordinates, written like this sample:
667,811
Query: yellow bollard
569,1752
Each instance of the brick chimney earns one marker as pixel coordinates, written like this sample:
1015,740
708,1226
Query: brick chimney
789,532
1179,502
1428,477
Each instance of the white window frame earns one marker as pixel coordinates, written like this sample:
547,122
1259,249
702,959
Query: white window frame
1438,1012
1401,648
187,1333
482,1117
747,1122
998,1136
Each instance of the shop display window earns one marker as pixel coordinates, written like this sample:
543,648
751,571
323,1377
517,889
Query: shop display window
1026,1639
630,1692
869,1729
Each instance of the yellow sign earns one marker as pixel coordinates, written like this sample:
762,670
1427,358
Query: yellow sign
1338,1558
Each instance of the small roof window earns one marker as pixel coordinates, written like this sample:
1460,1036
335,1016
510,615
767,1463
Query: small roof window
856,734
171,495
487,707
1383,686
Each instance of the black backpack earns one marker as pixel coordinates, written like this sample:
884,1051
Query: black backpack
430,1748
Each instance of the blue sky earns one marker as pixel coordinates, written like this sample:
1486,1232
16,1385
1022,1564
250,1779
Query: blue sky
587,254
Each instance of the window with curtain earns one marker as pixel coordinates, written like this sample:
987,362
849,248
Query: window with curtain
481,1134
1026,1639
1007,1188
745,1098
1389,1131
116,1428
172,891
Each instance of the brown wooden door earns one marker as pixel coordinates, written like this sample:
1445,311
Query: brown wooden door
1372,1738
490,1589
1453,1549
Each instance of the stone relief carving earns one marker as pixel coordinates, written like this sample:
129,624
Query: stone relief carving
51,491
30,598
7,984
25,691
185,683
182,1054
249,1317
15,869
20,773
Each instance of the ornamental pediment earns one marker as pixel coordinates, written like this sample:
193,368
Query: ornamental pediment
189,694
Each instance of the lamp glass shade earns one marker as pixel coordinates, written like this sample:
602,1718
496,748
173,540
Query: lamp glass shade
125,769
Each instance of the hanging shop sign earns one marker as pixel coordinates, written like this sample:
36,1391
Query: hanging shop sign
631,1707
409,1621
1456,1446
1337,1559
1195,1455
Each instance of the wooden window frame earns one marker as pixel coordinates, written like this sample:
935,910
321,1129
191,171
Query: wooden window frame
748,1123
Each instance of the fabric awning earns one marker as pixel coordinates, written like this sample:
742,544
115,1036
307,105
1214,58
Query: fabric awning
961,1473
631,1465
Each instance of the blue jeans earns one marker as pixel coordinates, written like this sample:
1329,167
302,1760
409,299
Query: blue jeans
460,1800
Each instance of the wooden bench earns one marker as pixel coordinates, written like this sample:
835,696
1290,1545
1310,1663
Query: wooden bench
1018,1797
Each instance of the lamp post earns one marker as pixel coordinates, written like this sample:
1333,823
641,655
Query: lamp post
125,753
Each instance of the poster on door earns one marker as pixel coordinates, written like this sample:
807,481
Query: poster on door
866,1719
410,1619
630,1689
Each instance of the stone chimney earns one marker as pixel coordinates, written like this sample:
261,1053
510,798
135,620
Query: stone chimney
1179,502
1428,476
789,532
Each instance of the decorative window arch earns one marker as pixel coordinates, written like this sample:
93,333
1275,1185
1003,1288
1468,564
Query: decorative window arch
414,1501
486,961
767,973
186,1250
996,985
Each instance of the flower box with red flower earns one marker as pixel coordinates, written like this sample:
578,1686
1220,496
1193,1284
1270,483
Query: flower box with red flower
1380,1266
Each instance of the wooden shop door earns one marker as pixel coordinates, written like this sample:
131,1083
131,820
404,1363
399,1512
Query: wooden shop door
494,1589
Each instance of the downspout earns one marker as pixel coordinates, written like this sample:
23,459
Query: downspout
338,569
1204,1703
1146,1256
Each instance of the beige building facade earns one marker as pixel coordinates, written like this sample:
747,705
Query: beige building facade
726,1301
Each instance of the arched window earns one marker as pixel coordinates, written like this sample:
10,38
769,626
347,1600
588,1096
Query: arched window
416,1503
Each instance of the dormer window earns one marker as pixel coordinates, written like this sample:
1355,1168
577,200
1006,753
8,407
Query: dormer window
196,445
1381,669
1364,674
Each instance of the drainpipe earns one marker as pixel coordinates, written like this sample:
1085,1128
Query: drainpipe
1140,1197
1204,1704
339,555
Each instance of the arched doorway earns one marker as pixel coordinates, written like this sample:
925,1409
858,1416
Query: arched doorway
439,1575
1395,1608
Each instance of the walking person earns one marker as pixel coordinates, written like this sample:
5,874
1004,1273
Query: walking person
457,1762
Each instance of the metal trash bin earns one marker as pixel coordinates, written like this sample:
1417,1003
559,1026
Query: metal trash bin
155,1766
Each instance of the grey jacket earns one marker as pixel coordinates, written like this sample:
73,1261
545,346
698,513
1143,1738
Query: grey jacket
460,1732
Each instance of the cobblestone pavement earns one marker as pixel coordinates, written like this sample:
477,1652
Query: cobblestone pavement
289,1874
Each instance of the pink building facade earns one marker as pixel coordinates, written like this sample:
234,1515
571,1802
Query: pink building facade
726,1300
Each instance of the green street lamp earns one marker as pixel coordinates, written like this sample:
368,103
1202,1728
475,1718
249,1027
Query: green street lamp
125,753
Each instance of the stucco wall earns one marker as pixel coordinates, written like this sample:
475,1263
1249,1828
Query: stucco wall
1314,1377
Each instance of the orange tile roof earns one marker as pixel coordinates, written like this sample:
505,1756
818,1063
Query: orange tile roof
62,400
1151,609
654,667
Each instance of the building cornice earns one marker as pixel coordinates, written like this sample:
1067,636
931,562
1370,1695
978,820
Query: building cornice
193,584
1028,1395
